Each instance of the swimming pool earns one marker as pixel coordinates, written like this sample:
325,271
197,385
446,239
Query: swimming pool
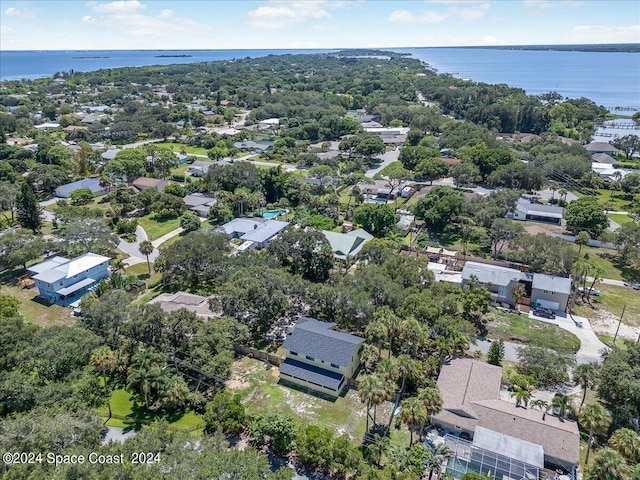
273,213
375,200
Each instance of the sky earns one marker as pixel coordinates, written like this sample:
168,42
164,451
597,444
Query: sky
281,24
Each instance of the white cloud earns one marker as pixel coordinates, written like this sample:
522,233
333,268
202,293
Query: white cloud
471,10
17,12
121,6
282,14
551,4
129,17
604,34
405,16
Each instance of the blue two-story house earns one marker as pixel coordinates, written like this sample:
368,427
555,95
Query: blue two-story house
64,282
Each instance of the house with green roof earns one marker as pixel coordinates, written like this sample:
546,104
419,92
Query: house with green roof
347,244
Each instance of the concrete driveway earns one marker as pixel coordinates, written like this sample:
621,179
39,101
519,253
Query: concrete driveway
385,159
133,249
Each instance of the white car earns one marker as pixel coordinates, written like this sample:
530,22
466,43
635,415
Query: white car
589,291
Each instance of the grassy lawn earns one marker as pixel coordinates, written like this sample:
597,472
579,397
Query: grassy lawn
521,329
604,259
620,219
258,386
32,309
612,299
123,405
175,147
142,272
157,228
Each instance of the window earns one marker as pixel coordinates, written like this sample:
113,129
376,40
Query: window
295,354
61,283
309,357
335,366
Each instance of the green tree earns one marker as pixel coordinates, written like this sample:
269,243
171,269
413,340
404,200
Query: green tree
465,173
28,209
146,249
82,196
626,442
431,169
414,414
608,465
439,207
8,201
19,248
103,360
189,222
629,144
586,376
395,174
546,366
375,218
595,419
496,353
522,395
225,412
274,430
502,232
586,214
582,240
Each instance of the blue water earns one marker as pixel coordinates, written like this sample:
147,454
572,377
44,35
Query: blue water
273,213
375,200
609,79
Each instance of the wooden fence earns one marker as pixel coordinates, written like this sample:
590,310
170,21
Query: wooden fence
264,356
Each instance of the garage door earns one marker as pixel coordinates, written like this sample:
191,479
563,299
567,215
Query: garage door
548,304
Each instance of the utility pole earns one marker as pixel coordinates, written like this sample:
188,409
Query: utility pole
619,322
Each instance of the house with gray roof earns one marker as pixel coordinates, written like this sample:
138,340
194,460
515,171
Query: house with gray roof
551,292
251,146
320,358
93,184
500,281
259,231
64,281
170,302
536,212
199,203
602,147
199,168
470,393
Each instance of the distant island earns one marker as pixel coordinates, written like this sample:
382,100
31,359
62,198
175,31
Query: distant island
605,47
85,57
173,56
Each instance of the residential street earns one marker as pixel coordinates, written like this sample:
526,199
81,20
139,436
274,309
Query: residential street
386,158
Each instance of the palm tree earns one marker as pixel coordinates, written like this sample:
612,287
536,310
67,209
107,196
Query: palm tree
594,418
371,392
523,395
445,349
103,359
563,193
376,333
585,376
414,415
460,344
608,465
596,274
391,323
413,336
518,291
146,248
627,443
431,399
405,368
368,357
563,403
543,405
437,457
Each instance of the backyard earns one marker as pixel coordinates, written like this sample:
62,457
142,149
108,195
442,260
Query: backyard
157,228
257,383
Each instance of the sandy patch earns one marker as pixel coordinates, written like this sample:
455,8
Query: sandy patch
607,323
297,405
238,380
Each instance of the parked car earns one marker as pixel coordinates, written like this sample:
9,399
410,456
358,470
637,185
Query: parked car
544,313
589,291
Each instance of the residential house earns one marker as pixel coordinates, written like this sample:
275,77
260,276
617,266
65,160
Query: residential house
536,212
550,292
110,154
602,147
64,282
199,203
348,244
470,399
380,188
93,184
143,183
199,168
320,358
500,281
603,158
405,221
47,126
170,302
251,146
258,231
324,181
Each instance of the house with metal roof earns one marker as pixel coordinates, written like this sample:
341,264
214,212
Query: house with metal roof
64,281
199,203
537,212
500,281
320,358
258,230
93,184
250,145
471,404
551,292
348,244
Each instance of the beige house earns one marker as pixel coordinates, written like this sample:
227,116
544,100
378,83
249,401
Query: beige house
320,358
470,399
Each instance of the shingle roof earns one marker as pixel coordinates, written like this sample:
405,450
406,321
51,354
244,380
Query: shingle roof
92,184
311,373
315,338
197,304
500,276
196,199
551,283
268,230
600,147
